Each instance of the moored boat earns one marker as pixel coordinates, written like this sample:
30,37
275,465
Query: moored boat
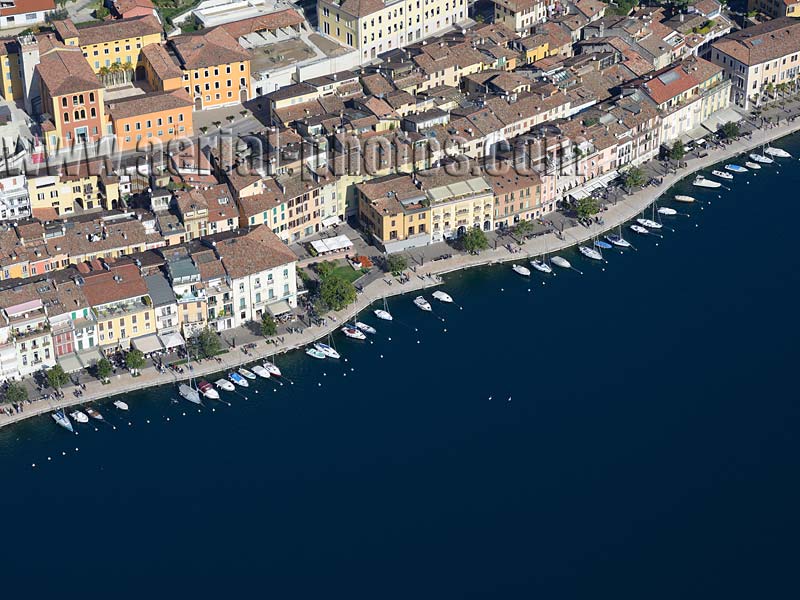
260,371
327,350
520,270
441,297
383,313
246,373
422,304
701,181
736,168
314,353
207,390
63,420
618,240
760,158
238,379
224,384
602,245
722,174
562,262
665,210
590,253
541,266
752,165
365,328
777,152
353,332
120,404
187,392
79,417
685,199
639,229
94,413
272,368
649,223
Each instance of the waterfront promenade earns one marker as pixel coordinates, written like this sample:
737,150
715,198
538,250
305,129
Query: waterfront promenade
423,276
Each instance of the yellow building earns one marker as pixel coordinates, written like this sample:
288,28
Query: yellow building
86,188
118,41
457,204
121,304
382,25
775,8
10,70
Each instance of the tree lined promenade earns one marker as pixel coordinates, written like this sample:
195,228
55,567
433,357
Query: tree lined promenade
423,276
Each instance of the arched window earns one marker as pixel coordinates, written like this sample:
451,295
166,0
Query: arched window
80,98
83,113
66,117
91,96
77,115
93,111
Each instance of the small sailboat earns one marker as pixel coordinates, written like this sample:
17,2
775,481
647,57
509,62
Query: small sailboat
79,417
752,165
649,223
238,379
618,240
272,368
701,181
760,158
224,384
353,332
561,262
639,229
603,245
665,210
367,328
120,404
736,168
314,353
94,414
207,390
684,199
422,304
590,252
261,371
187,392
520,270
777,152
541,266
722,174
327,350
246,373
383,313
443,297
63,420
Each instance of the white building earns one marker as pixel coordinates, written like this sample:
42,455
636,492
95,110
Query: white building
15,203
24,13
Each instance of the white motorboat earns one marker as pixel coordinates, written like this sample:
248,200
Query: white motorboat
238,379
224,384
443,297
685,199
542,266
327,350
590,252
701,181
760,158
260,371
189,393
369,328
639,229
650,224
120,404
777,152
561,262
246,373
272,368
618,240
94,414
752,165
353,332
314,353
736,168
63,420
722,174
422,304
665,210
79,416
207,390
520,270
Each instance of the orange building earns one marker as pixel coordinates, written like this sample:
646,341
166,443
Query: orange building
216,69
161,68
158,117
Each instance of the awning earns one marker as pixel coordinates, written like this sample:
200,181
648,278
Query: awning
147,344
721,117
329,221
281,307
334,244
171,340
70,363
90,356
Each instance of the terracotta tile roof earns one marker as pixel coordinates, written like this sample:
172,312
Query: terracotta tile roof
119,29
376,84
64,70
123,6
163,64
121,282
154,102
208,48
675,80
270,22
590,8
361,8
259,250
21,7
220,203
764,42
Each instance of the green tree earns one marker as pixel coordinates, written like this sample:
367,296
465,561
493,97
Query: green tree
677,151
634,177
16,392
587,207
325,268
268,325
103,369
208,343
730,130
474,240
336,292
523,228
396,263
57,378
100,13
134,360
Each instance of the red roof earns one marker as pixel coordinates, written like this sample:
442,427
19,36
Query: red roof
22,7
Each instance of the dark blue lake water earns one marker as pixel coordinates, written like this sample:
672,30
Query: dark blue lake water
650,448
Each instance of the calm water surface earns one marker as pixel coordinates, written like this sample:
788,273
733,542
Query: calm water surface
650,448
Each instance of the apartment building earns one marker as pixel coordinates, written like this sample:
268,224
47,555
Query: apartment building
15,202
24,13
395,211
153,120
520,15
519,195
775,8
190,292
86,187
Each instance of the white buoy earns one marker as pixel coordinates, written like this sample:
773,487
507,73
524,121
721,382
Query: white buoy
381,355
33,465
63,453
148,421
48,458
